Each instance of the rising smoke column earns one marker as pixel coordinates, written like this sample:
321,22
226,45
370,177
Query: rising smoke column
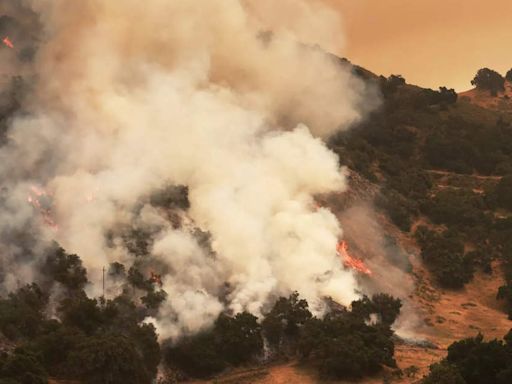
216,95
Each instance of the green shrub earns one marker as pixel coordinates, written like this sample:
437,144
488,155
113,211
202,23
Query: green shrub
109,359
285,319
444,255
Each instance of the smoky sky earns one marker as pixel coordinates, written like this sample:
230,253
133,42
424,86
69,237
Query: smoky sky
430,42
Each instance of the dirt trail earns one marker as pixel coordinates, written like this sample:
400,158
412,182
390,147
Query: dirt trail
462,175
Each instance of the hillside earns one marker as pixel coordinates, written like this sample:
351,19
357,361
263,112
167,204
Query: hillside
200,199
419,169
501,102
407,162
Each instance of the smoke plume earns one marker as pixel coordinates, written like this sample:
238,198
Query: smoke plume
232,99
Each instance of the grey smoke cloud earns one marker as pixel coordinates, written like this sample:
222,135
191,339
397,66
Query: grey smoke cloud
132,96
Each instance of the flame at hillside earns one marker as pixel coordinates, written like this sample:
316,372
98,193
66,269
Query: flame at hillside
42,202
351,262
8,42
155,278
187,93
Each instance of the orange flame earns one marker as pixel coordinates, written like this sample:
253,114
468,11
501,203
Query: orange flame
35,198
156,279
350,261
8,42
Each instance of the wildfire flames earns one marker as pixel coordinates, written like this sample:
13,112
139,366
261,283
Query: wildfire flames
41,200
156,279
350,261
91,196
8,42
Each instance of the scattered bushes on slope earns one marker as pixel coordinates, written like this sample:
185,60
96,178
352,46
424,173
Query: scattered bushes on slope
475,361
344,344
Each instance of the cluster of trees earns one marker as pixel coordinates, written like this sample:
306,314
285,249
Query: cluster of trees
462,146
343,344
474,361
456,208
489,80
172,196
231,342
443,253
93,340
392,85
417,131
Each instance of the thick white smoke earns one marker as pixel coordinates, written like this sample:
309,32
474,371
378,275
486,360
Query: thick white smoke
132,96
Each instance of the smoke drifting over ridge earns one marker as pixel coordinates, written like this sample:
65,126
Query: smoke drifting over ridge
131,97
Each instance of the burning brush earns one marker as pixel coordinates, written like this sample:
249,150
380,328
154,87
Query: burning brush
351,262
156,279
8,42
42,201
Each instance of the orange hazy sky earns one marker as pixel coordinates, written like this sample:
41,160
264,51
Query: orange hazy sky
430,42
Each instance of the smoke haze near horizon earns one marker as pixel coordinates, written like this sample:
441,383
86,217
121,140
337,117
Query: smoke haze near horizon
432,43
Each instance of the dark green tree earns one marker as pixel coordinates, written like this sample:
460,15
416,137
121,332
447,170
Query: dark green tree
54,348
22,312
444,373
117,270
385,306
65,269
137,280
285,319
478,361
239,338
152,300
81,312
489,80
22,367
109,359
345,347
447,96
508,75
444,256
196,356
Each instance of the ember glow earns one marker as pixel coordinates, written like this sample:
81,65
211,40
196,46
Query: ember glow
91,196
156,279
42,201
165,106
351,262
8,42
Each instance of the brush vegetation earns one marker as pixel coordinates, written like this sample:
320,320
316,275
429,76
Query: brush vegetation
445,170
105,341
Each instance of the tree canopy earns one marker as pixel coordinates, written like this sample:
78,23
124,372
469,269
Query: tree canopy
490,80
